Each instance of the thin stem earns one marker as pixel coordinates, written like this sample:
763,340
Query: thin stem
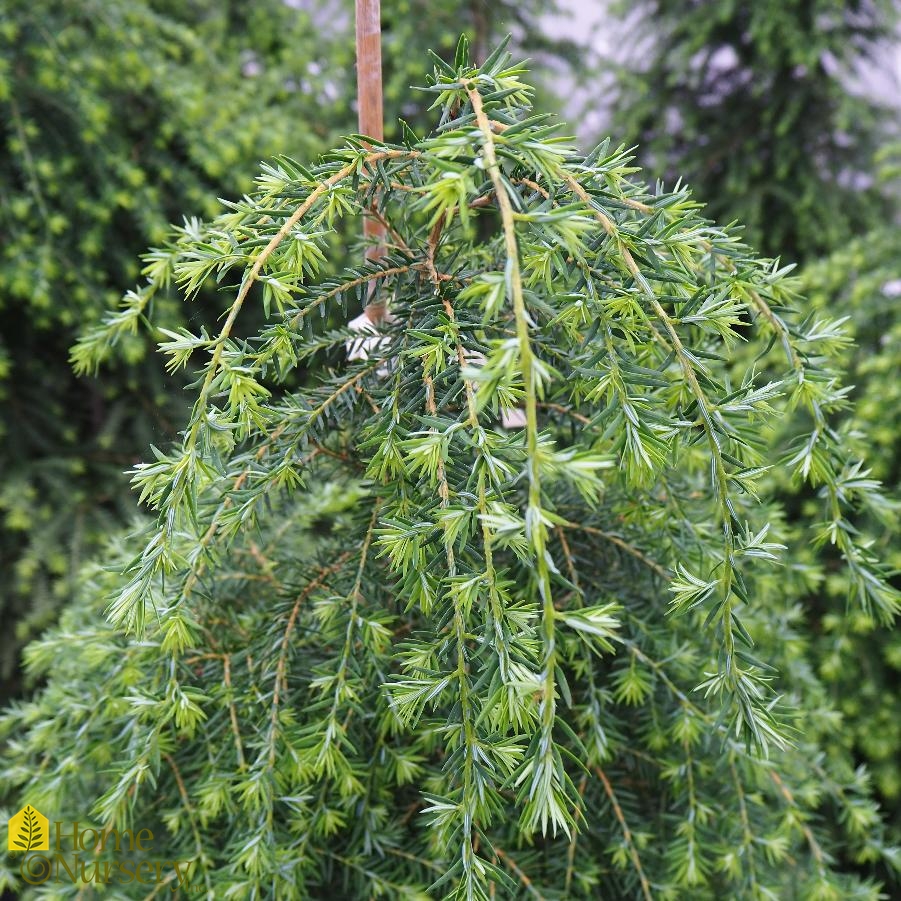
705,407
627,833
546,770
189,810
332,729
281,669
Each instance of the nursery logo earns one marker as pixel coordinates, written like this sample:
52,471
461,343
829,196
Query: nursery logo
29,830
73,855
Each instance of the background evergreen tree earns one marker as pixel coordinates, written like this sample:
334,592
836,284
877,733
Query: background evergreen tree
118,118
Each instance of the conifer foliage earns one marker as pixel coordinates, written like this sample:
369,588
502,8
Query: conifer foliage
118,117
489,610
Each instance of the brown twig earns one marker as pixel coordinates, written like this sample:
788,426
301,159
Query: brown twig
511,865
627,834
622,545
281,680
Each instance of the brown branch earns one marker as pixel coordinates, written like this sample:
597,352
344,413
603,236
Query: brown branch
501,127
623,545
189,810
232,711
514,867
347,286
568,556
559,408
281,680
808,834
627,834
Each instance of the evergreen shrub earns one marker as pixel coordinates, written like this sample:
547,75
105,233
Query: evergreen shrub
493,607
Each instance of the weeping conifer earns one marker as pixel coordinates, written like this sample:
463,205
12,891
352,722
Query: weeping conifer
494,608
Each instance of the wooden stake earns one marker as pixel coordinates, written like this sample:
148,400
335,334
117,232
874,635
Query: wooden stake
371,115
369,69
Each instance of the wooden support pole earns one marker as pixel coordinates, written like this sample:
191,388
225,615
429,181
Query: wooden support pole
369,69
371,115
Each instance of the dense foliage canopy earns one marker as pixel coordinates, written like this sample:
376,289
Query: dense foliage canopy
495,604
120,117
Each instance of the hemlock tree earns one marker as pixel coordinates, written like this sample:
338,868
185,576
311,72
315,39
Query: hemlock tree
380,640
118,118
756,105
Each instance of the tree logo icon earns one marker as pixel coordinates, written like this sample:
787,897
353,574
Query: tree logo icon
28,831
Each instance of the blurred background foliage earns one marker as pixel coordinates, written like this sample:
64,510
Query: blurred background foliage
118,118
766,109
121,116
858,659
